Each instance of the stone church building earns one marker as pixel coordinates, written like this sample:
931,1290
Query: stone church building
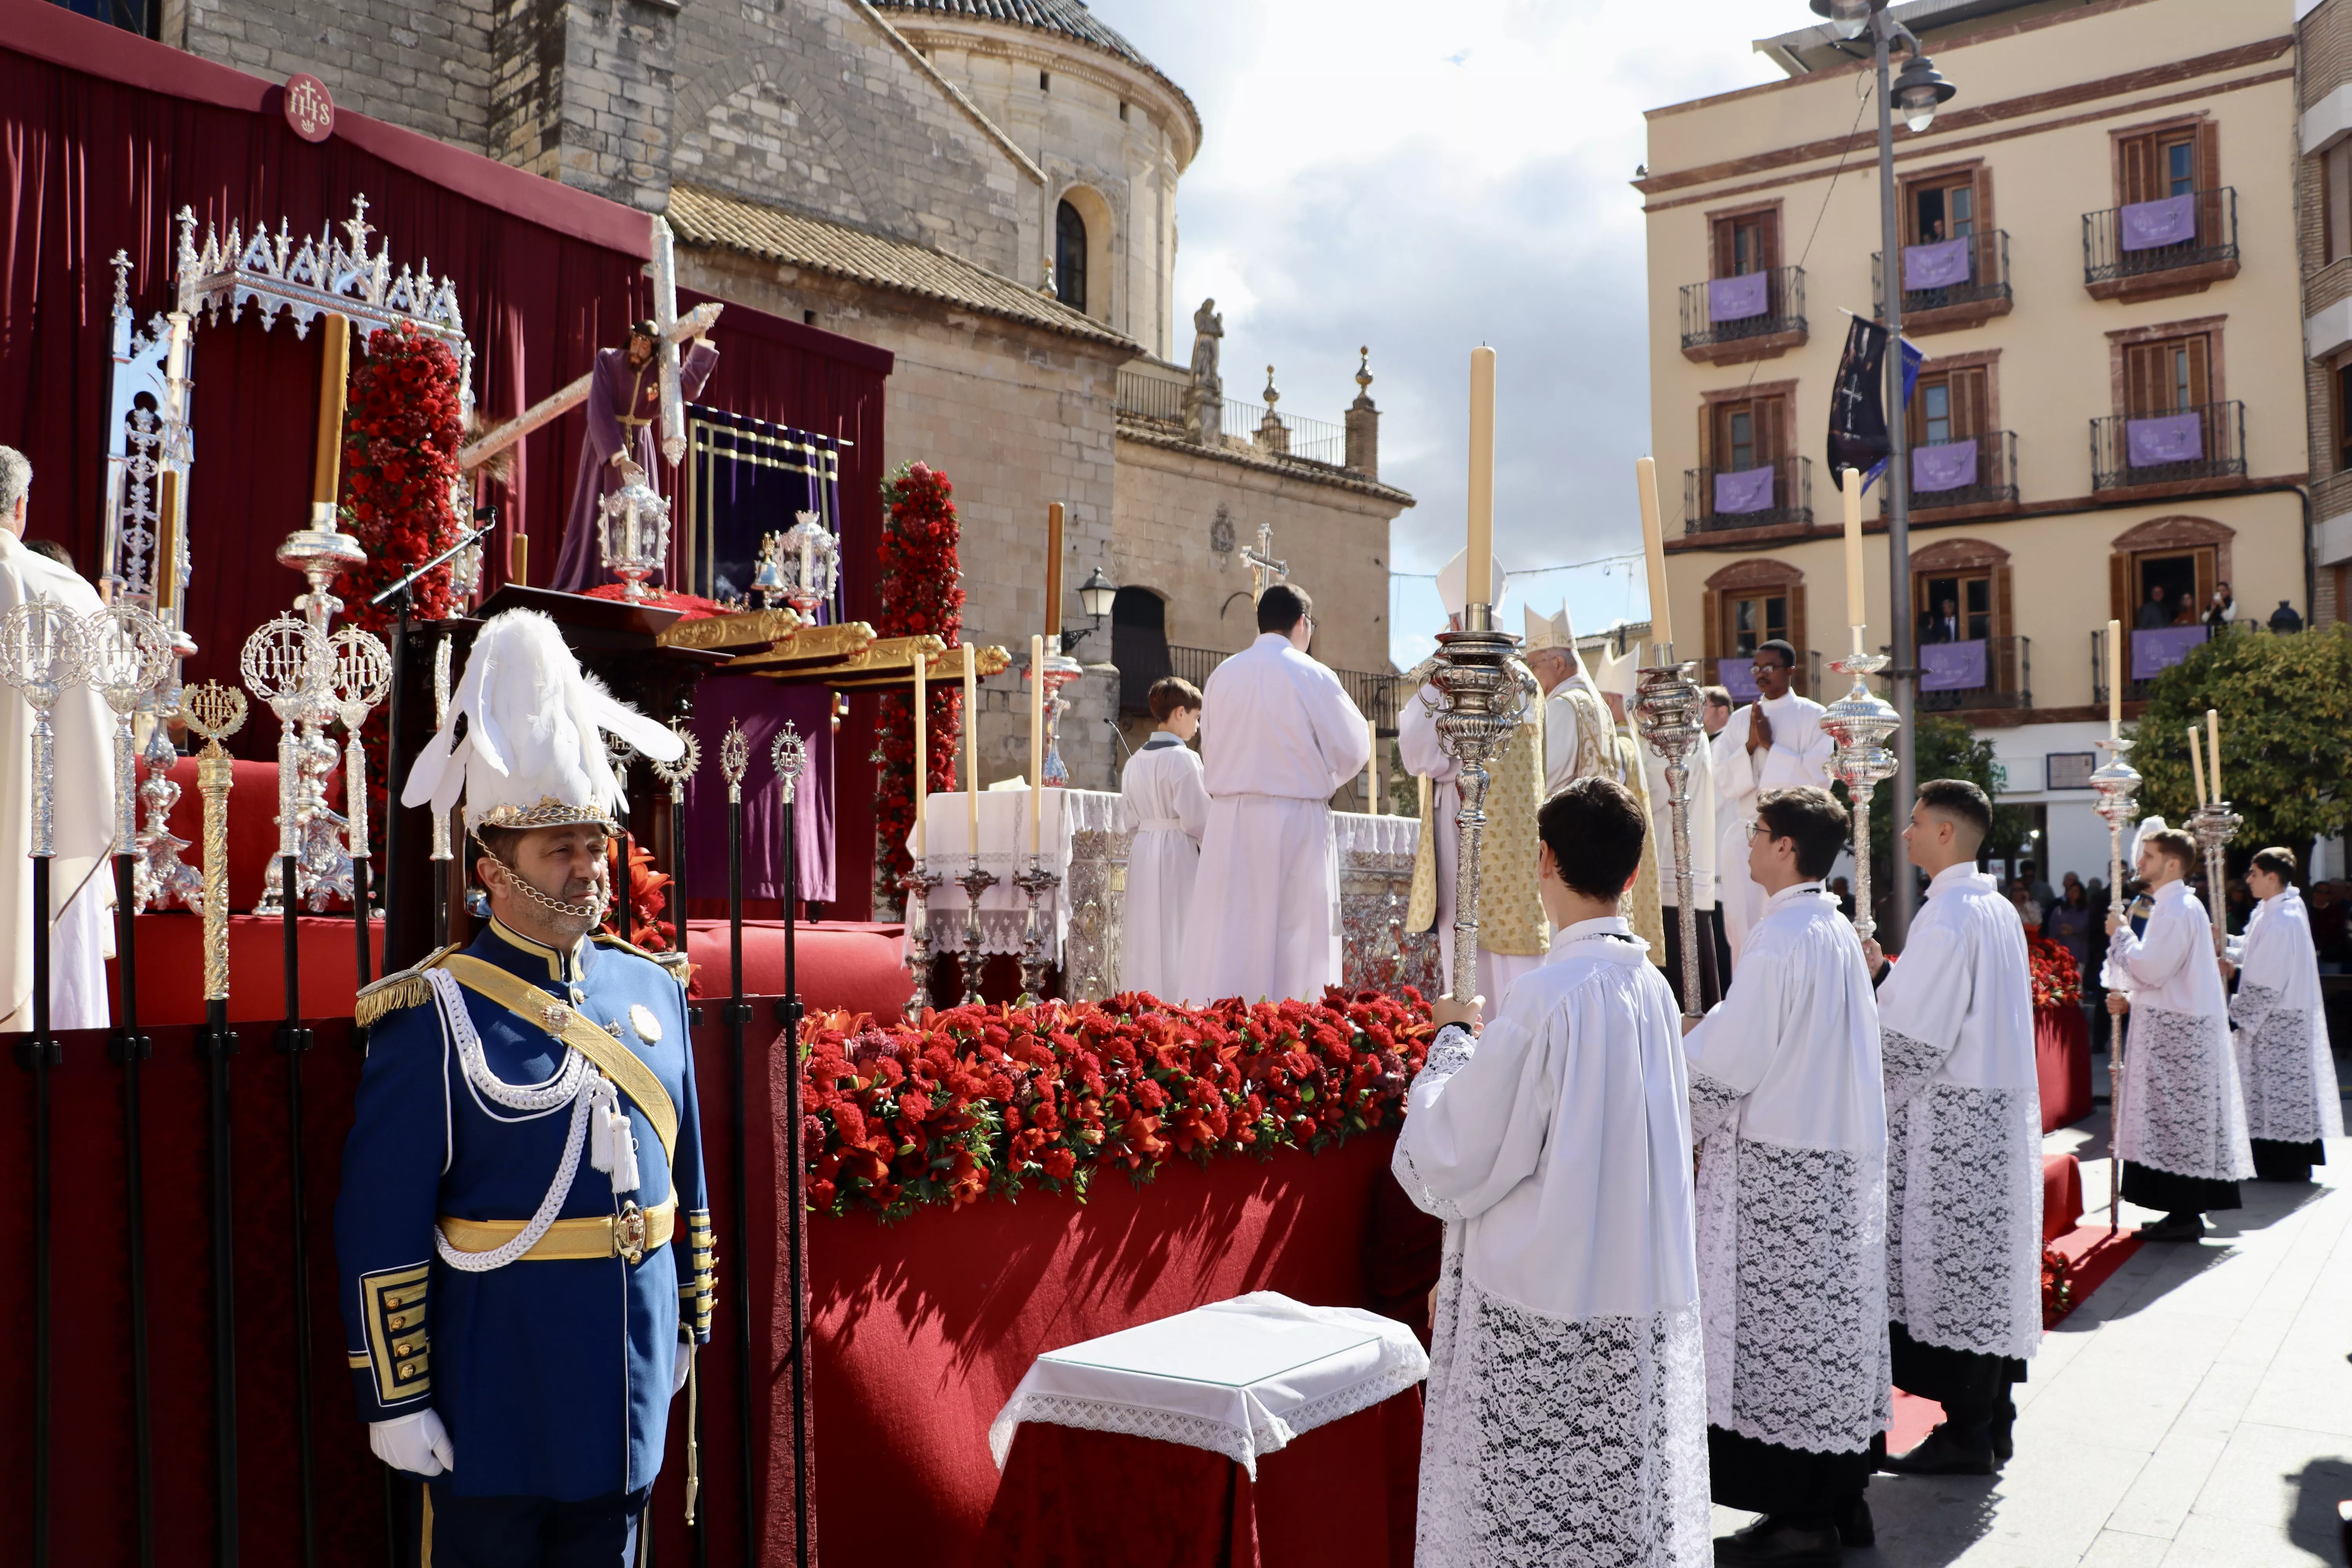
987,188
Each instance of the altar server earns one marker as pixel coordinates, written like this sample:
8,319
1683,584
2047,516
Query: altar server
1789,1110
2182,1139
1567,1415
1963,1143
1774,743
1512,935
522,1237
81,892
1168,808
2284,1060
1278,736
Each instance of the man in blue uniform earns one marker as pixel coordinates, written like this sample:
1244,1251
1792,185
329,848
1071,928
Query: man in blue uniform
523,1237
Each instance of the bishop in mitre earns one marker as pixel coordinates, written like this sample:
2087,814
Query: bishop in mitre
1566,1418
1513,936
83,809
1580,738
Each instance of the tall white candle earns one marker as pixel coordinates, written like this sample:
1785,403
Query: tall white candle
2214,751
970,750
2197,765
1371,768
922,753
1653,548
1852,484
2115,679
1478,581
1036,739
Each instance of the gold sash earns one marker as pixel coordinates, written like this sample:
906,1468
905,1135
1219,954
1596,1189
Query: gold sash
627,1070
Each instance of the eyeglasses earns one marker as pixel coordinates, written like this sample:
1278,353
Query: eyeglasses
1758,826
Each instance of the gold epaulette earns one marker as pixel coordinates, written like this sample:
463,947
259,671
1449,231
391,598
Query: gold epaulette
675,962
400,988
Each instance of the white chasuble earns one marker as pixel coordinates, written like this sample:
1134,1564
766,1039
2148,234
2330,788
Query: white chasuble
2183,1109
1579,738
1567,1414
81,818
1799,755
1513,934
1963,1124
2284,1060
1278,735
1790,1114
1168,811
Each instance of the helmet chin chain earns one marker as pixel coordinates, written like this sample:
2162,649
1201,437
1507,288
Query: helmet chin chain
599,900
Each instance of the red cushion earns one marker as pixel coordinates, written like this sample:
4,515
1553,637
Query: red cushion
2061,1194
852,964
252,822
172,966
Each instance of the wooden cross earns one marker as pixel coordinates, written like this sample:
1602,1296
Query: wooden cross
1262,563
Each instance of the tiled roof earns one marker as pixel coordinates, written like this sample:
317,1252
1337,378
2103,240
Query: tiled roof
1070,18
704,216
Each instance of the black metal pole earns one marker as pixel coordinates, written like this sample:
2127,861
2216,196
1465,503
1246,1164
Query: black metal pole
129,1048
392,714
738,1014
294,1040
38,1053
217,1044
796,1200
360,913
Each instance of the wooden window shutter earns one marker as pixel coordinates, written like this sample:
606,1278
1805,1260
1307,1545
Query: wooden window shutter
2136,155
1768,241
2120,606
1797,633
1711,631
1969,414
1722,246
2148,379
2002,609
2209,155
2200,361
1772,422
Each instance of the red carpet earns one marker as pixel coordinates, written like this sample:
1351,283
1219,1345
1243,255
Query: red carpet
2094,1255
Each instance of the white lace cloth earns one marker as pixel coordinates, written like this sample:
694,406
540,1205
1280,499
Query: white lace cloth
1239,1378
2184,1110
2284,1064
1365,841
1005,851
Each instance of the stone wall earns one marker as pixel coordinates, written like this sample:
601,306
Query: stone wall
426,67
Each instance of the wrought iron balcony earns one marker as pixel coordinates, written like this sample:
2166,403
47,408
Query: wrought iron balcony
1967,281
1980,471
1774,492
2206,442
1982,672
1751,316
2161,246
2148,653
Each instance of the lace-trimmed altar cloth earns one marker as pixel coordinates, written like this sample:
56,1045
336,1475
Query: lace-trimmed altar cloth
2284,1060
1963,1125
1239,1378
2184,1110
1004,850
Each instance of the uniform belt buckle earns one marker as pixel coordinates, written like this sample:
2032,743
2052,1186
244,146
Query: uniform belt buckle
629,1234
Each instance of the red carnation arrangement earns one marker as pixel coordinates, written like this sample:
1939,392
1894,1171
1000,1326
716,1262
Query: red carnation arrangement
978,1102
922,592
2057,978
402,424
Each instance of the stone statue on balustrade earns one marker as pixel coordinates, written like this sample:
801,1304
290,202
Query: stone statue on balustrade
1204,400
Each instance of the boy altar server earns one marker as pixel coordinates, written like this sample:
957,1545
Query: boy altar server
2284,1060
2183,1136
1168,806
1567,1397
1963,1143
1787,1101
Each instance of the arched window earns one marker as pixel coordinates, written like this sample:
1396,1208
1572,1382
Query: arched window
1748,603
1069,257
1139,645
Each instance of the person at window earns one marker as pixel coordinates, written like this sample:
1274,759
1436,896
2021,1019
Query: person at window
1774,743
1944,625
2184,612
2155,615
2284,620
2222,611
1168,808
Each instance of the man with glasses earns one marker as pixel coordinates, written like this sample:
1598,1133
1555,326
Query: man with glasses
1775,742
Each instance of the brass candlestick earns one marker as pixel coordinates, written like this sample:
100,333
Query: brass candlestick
974,882
1039,883
1668,703
917,885
1483,692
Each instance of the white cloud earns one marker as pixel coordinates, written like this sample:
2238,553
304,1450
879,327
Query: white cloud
1424,178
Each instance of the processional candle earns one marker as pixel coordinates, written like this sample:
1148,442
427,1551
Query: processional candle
1654,551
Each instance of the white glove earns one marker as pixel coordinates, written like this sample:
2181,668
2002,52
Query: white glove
418,1444
684,1369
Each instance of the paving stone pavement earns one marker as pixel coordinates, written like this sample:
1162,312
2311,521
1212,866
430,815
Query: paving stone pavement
2195,1413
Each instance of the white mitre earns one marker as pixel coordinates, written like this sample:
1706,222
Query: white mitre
1452,576
1555,631
525,737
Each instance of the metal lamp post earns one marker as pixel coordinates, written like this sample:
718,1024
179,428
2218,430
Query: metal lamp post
1917,93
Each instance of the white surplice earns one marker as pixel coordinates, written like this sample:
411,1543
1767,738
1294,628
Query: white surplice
1424,756
2285,1065
1963,1124
1799,755
1567,1415
1278,735
2183,1108
1789,1110
1167,810
81,818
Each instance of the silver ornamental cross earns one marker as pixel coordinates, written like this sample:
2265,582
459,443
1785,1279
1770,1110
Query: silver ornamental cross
1262,563
129,654
363,678
43,652
284,664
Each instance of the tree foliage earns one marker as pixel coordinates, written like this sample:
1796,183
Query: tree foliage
1944,748
2285,707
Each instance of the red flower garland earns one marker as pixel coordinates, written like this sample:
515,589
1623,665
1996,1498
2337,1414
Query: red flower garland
922,592
980,1100
2057,978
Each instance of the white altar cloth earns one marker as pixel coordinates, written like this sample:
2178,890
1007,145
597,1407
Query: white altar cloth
1004,850
1239,1378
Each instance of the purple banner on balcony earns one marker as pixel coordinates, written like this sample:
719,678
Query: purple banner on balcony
2148,226
2173,439
1944,265
1946,467
1737,675
2154,652
1749,490
1952,666
1737,298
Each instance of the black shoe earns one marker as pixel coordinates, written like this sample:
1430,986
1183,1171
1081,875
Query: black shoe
1945,1453
2173,1227
2004,1437
1855,1526
1771,1544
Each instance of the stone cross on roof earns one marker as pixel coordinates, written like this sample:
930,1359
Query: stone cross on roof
1263,565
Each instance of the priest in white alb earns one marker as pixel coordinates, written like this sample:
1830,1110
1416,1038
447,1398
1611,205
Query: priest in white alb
1773,742
1963,1143
1789,1110
1278,736
2181,1128
1566,1409
1168,808
2284,1060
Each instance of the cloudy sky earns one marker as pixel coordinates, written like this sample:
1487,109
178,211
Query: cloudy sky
1424,177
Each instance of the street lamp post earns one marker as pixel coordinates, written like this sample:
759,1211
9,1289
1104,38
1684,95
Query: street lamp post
1916,93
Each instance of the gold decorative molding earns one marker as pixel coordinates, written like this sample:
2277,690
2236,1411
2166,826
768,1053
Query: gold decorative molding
809,646
743,630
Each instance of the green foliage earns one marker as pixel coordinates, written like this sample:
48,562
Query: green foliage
2286,705
1944,748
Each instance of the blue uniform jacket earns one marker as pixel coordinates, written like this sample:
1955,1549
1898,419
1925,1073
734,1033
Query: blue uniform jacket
553,1376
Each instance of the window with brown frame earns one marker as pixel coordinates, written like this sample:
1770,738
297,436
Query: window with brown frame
2342,382
1747,242
1940,207
1748,433
2171,161
1751,620
2336,202
1954,606
1948,405
2167,376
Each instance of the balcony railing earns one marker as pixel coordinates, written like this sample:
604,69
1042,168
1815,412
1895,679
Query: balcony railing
1778,491
2149,653
2121,244
1374,691
2207,442
1980,471
1730,311
1982,672
1970,271
1155,398
1158,400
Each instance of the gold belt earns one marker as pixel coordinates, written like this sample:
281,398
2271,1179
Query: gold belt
630,1235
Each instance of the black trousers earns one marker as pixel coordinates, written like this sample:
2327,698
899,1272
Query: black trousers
2153,1189
438,1529
1710,936
1972,1387
2276,1159
1794,1485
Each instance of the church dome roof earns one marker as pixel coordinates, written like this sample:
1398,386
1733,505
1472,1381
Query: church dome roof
1067,18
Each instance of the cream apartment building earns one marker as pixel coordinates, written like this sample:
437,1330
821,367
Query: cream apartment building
2099,241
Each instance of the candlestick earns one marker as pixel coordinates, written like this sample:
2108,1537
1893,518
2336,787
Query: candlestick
2115,680
2213,752
1053,575
971,730
922,753
1666,704
1480,564
1654,551
1036,739
1850,482
2116,784
2196,766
